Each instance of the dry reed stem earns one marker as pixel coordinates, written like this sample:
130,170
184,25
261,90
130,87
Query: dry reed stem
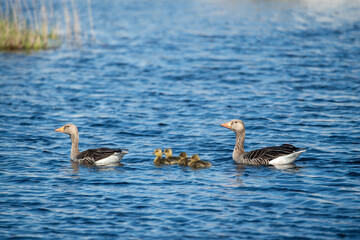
92,32
76,22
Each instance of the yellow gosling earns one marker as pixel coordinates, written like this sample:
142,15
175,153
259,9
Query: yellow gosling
195,162
159,160
169,156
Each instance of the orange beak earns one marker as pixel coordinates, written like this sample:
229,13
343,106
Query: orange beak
60,129
226,125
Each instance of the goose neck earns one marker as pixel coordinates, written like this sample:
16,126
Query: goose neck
239,144
74,146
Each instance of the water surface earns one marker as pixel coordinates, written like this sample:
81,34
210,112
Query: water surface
167,74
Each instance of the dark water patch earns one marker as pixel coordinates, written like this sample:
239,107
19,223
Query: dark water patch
353,174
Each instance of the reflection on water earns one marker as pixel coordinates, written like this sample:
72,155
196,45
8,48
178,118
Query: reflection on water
291,166
75,167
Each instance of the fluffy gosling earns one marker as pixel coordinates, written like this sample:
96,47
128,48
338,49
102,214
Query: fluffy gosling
195,162
184,160
159,159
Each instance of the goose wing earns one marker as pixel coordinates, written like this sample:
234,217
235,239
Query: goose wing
265,155
90,156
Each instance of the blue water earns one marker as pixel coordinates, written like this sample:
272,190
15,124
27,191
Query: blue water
167,74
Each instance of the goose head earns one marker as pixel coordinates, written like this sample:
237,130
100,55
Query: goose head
69,129
194,158
168,152
235,125
158,152
183,155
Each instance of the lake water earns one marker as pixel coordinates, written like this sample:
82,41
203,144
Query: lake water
167,74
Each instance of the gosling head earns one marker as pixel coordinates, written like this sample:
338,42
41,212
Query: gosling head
235,125
69,128
158,152
183,155
194,158
168,152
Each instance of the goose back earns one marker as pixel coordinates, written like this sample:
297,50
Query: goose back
91,156
266,155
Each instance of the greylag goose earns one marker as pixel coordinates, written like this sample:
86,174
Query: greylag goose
195,162
169,156
284,154
159,159
184,160
99,156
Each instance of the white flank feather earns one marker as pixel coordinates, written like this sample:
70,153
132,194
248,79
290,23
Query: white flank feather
115,158
287,159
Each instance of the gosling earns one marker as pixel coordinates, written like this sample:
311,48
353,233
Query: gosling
159,159
195,162
169,156
184,160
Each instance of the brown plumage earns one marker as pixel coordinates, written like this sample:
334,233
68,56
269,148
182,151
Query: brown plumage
195,162
184,160
99,156
284,154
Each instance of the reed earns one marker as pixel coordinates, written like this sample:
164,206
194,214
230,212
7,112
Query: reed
27,25
23,29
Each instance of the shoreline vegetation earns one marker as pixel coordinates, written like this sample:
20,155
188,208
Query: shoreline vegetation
30,25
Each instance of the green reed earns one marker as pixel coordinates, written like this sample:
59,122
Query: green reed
27,25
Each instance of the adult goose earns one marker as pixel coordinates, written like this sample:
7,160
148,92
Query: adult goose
99,156
284,154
